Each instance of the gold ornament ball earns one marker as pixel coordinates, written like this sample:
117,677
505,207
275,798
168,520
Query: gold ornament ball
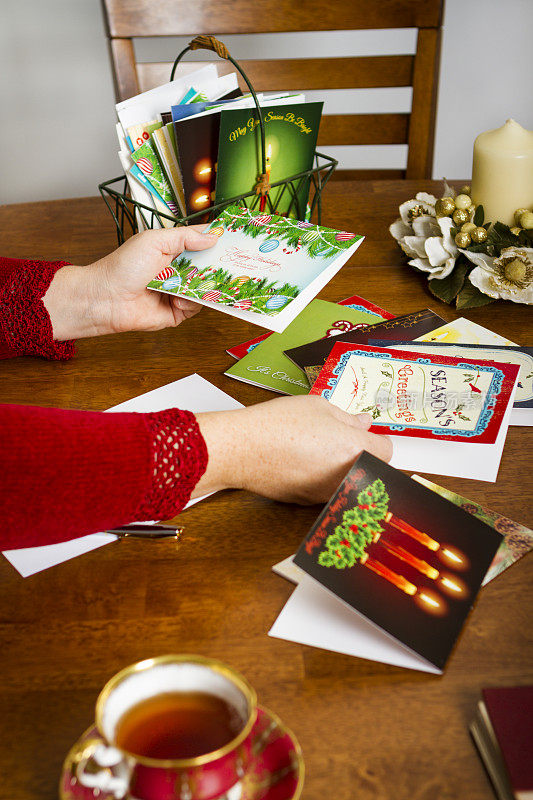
444,207
516,231
463,201
468,227
479,235
462,239
515,270
460,216
465,190
526,221
518,213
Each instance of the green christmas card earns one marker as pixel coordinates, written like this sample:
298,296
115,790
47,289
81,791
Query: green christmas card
267,366
290,137
263,269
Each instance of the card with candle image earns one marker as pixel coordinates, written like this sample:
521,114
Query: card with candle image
517,539
419,394
197,144
291,133
401,556
263,268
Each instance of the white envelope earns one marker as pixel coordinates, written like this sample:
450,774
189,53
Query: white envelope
314,616
146,106
193,393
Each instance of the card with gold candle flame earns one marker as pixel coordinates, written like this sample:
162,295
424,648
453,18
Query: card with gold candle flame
408,560
291,132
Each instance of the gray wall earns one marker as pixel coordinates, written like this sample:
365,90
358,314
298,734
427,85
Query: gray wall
57,103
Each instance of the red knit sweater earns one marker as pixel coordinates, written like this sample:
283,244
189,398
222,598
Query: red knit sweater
68,473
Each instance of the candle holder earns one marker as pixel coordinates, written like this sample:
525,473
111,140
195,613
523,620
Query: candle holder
131,216
468,262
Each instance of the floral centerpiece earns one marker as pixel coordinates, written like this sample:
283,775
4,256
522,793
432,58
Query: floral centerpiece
466,260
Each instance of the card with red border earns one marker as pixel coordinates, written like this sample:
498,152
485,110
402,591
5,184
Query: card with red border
241,350
422,395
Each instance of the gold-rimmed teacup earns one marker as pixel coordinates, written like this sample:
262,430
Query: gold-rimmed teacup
107,770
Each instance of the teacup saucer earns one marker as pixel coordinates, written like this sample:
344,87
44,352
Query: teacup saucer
276,771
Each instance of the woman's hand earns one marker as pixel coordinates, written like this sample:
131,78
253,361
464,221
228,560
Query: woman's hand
296,449
110,296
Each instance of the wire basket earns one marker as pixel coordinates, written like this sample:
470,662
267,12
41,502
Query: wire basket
130,216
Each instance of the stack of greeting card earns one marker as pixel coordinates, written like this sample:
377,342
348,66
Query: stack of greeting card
195,141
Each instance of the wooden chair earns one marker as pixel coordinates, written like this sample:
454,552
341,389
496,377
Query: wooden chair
129,19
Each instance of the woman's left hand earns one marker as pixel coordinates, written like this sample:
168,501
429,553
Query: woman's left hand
110,296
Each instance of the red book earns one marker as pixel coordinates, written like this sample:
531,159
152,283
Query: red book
503,733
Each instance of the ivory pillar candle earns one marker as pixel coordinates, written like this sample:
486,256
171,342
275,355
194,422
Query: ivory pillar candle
502,171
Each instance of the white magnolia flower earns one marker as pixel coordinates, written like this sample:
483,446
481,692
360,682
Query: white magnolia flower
426,238
509,277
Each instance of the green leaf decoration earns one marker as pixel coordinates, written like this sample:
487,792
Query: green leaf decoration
347,544
314,239
479,216
448,288
471,297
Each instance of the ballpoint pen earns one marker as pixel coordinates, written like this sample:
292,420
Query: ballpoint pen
138,531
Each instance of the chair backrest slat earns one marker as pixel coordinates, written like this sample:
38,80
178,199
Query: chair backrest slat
339,129
132,19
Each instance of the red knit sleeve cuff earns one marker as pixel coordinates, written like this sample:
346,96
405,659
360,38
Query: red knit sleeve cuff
24,320
179,459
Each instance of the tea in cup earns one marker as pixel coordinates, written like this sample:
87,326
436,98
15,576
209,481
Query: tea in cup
177,727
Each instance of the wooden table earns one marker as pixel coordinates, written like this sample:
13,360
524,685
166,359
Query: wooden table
367,730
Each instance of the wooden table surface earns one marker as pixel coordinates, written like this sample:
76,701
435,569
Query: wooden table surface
368,731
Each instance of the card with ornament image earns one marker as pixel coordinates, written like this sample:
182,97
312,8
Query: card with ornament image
419,394
407,560
263,268
355,302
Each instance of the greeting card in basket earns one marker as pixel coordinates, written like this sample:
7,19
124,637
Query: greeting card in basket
264,269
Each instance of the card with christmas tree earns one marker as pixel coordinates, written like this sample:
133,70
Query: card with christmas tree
291,133
263,268
407,560
268,367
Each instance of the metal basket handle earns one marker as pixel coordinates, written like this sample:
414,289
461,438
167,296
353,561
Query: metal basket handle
212,43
